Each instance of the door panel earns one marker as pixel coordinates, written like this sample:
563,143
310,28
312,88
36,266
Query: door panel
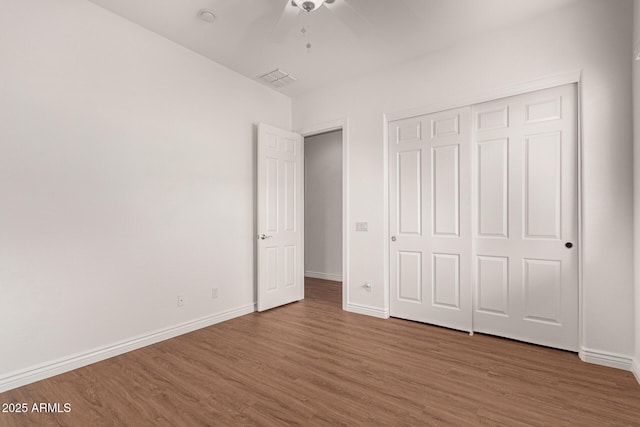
408,131
496,118
445,190
429,218
542,290
543,110
290,196
542,186
410,192
492,281
538,160
446,125
446,280
271,276
271,196
493,188
280,256
410,276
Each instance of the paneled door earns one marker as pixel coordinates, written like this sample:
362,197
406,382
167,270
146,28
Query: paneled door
525,223
280,205
430,248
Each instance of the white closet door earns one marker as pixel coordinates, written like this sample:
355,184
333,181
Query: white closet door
525,260
429,178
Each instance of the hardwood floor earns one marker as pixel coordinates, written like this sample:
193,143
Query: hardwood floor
310,363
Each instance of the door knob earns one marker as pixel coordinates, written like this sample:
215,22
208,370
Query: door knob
393,238
264,236
568,245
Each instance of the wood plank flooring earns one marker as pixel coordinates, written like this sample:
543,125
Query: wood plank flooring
312,364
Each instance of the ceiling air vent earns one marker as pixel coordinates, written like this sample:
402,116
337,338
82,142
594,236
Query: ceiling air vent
277,78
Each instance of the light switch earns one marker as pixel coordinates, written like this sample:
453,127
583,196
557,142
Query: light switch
362,226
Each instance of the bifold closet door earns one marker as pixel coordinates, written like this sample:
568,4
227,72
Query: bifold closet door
525,227
430,223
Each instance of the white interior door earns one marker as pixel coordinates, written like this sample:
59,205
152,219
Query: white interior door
525,218
280,220
429,173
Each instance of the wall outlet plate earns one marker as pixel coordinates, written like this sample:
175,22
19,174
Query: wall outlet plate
362,226
180,300
214,293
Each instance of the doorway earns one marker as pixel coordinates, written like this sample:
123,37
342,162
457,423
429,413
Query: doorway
280,214
323,207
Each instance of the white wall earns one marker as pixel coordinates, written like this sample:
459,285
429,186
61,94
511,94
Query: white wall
323,206
636,169
592,35
126,179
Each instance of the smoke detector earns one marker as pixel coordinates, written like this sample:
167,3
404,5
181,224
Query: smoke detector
207,15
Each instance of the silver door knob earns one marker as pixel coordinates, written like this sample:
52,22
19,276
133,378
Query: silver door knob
264,236
393,238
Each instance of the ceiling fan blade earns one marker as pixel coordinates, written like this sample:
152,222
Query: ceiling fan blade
350,17
285,23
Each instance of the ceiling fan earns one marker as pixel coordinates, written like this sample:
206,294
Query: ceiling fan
340,8
309,5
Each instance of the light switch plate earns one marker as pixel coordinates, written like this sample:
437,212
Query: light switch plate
362,226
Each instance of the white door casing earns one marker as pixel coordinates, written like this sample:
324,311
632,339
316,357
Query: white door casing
280,217
429,193
525,210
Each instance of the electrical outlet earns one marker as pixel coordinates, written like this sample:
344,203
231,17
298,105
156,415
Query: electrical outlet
214,293
180,300
368,287
362,226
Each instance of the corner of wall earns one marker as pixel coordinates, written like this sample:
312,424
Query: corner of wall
636,172
635,368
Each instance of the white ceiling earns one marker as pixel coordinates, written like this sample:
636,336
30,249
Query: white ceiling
242,36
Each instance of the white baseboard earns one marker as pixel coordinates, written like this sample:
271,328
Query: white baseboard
325,276
368,310
47,370
602,358
635,368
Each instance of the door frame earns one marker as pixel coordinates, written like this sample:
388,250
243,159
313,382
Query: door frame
572,77
324,127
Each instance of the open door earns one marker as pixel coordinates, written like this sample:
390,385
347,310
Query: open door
280,217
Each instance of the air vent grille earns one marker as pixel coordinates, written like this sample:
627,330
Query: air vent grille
277,78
